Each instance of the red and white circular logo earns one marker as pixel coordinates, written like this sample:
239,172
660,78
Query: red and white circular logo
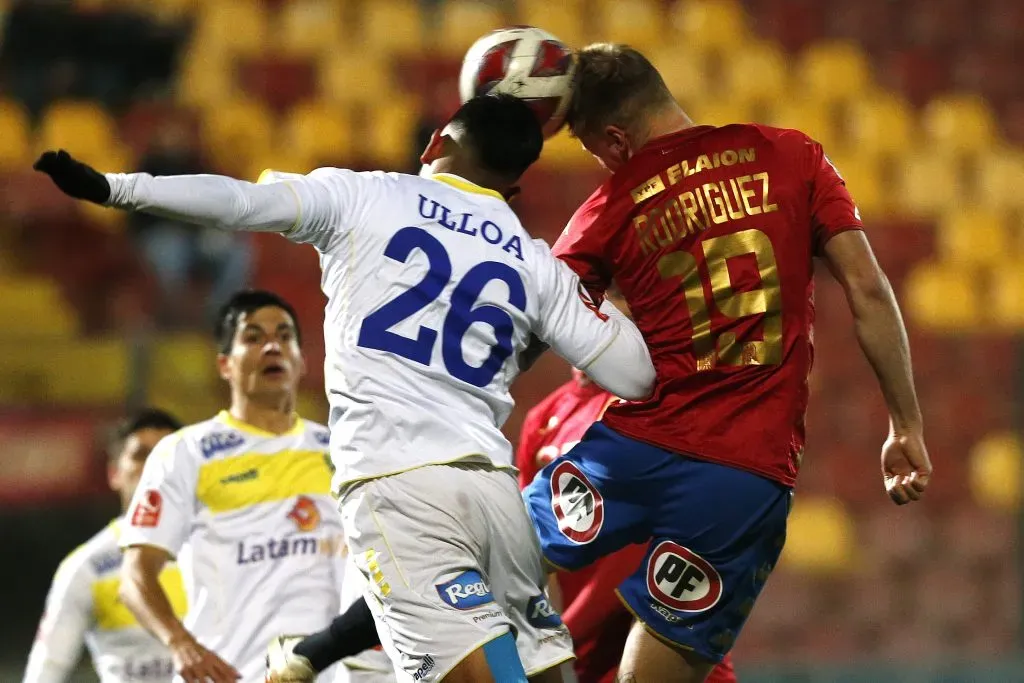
577,504
681,579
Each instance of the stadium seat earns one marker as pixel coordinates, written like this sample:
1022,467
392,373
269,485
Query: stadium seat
181,366
356,77
318,132
88,372
564,19
395,26
683,71
39,300
863,180
973,237
81,126
961,123
15,143
564,151
1000,179
390,133
461,23
810,116
834,71
995,471
634,22
238,27
820,537
720,112
926,183
711,23
943,297
881,123
309,27
1006,301
206,76
237,133
758,72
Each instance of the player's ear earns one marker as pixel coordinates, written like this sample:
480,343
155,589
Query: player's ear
113,475
224,366
434,149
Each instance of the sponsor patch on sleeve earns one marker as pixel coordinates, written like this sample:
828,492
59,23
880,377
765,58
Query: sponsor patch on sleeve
147,509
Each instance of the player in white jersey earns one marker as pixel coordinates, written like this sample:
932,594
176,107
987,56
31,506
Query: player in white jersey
82,604
434,290
243,501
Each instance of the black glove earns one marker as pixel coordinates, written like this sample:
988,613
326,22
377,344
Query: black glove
74,178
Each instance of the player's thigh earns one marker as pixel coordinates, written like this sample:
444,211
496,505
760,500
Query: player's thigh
595,499
422,556
708,561
647,659
519,579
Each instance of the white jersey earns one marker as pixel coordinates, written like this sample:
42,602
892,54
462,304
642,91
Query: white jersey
257,535
82,606
434,288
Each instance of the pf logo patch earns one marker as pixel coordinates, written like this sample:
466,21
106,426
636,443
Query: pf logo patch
577,504
681,579
305,514
147,509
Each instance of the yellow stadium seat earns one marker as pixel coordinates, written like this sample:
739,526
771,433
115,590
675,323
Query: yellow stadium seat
1001,177
820,537
88,372
881,123
960,123
390,133
1006,300
834,71
319,132
393,26
462,22
183,361
306,27
239,27
206,77
717,24
926,184
973,237
564,151
237,133
757,72
351,77
683,71
15,144
808,116
719,112
634,22
81,126
564,19
39,300
995,471
943,297
863,180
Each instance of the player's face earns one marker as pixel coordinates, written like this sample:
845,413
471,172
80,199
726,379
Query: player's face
611,147
127,469
265,359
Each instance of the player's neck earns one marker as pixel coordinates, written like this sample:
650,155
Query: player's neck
668,122
276,416
470,173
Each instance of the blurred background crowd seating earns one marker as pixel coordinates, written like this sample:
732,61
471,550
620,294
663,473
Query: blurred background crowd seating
920,104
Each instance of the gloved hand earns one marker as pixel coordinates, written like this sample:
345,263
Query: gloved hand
74,178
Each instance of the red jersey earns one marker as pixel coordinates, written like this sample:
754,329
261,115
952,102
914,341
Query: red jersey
710,234
597,620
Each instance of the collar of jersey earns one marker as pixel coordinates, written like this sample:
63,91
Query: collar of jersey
464,185
226,417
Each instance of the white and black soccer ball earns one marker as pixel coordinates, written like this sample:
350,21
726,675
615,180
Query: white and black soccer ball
526,62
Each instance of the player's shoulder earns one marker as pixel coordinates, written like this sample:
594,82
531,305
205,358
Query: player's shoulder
319,434
97,555
202,441
786,139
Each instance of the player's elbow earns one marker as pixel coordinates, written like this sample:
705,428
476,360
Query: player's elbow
869,290
641,386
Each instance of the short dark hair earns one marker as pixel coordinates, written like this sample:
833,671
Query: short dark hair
615,85
502,131
146,418
242,303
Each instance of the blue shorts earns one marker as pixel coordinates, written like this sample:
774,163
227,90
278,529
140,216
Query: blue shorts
714,532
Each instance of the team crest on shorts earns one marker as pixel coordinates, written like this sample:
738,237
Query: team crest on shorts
681,579
577,504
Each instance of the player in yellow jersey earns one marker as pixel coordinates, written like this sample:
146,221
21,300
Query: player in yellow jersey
82,605
243,501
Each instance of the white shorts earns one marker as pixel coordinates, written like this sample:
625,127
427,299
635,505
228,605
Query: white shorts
452,562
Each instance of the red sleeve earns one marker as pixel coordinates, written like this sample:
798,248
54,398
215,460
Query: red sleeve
597,601
832,207
582,244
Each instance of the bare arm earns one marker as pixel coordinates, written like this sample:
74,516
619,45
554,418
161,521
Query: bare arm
883,339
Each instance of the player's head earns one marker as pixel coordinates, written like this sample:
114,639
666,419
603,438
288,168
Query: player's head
620,100
135,437
494,138
258,348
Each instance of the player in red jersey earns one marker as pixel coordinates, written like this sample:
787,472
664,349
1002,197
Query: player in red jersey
710,233
598,622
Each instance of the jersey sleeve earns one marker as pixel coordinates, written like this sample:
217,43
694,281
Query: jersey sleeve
582,245
163,508
66,618
332,201
596,339
832,208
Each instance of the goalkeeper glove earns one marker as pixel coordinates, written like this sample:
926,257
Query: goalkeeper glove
74,178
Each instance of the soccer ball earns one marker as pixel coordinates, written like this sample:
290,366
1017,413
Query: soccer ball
526,62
